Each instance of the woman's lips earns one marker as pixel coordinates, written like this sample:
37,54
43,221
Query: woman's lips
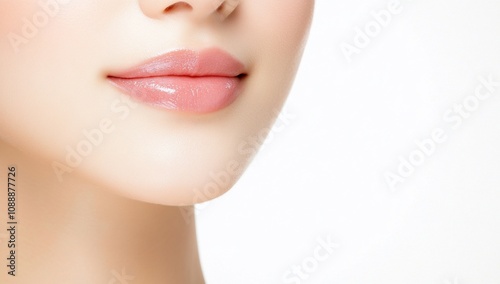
185,80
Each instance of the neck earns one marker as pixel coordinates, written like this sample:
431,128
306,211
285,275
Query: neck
76,232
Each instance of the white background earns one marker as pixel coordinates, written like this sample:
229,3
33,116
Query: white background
323,174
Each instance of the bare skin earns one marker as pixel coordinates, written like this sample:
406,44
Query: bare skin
116,215
75,232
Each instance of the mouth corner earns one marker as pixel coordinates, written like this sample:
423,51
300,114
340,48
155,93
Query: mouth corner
242,76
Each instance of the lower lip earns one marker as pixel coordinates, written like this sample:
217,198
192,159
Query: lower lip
182,93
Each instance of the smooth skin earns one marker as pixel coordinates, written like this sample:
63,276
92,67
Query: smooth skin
106,184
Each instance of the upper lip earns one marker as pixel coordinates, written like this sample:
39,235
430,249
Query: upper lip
212,62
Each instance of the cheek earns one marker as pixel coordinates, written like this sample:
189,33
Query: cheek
12,14
293,19
276,33
284,21
278,30
45,89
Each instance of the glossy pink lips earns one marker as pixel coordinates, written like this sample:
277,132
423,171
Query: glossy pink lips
185,80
